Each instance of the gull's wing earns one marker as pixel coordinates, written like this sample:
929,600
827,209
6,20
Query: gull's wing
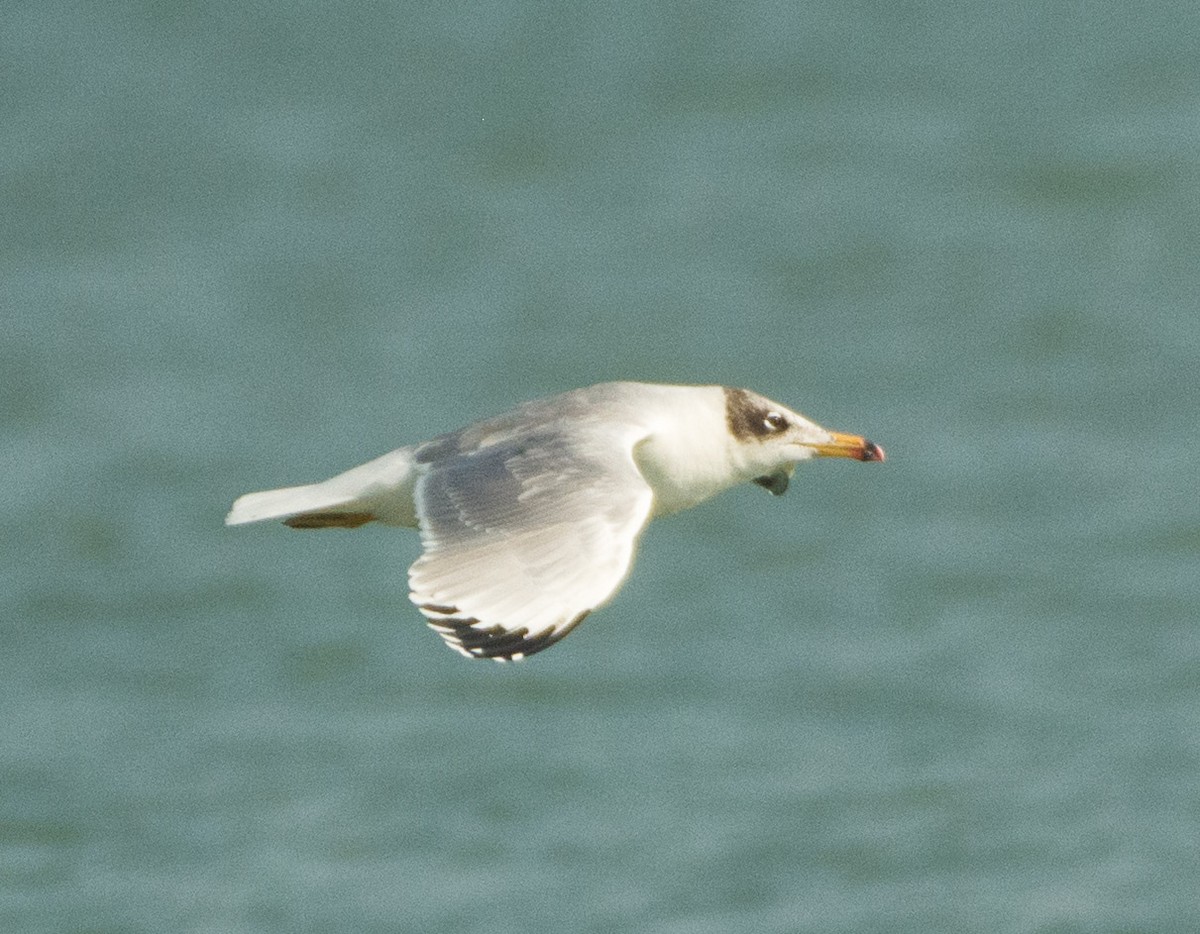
525,536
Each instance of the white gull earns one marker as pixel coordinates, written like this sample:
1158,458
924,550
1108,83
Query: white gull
529,520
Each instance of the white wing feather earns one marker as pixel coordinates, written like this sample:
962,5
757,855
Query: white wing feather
525,536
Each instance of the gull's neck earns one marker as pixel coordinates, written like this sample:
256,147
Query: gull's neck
688,454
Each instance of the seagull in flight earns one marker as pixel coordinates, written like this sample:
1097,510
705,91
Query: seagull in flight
529,520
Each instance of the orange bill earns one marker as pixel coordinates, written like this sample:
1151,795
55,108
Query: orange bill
853,446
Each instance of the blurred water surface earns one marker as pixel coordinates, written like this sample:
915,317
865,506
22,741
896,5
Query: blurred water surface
248,245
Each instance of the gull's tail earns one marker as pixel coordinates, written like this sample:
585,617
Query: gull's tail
379,490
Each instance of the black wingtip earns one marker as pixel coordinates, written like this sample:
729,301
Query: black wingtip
470,637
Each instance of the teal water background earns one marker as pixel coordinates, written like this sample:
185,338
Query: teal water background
252,244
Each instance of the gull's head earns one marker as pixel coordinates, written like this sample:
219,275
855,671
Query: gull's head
771,439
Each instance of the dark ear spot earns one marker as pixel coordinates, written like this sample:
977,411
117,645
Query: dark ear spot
746,415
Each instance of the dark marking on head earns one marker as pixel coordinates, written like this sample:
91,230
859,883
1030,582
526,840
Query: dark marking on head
750,416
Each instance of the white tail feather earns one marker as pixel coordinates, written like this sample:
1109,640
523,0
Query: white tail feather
382,488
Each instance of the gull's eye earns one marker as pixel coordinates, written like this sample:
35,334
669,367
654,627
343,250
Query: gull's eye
774,421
